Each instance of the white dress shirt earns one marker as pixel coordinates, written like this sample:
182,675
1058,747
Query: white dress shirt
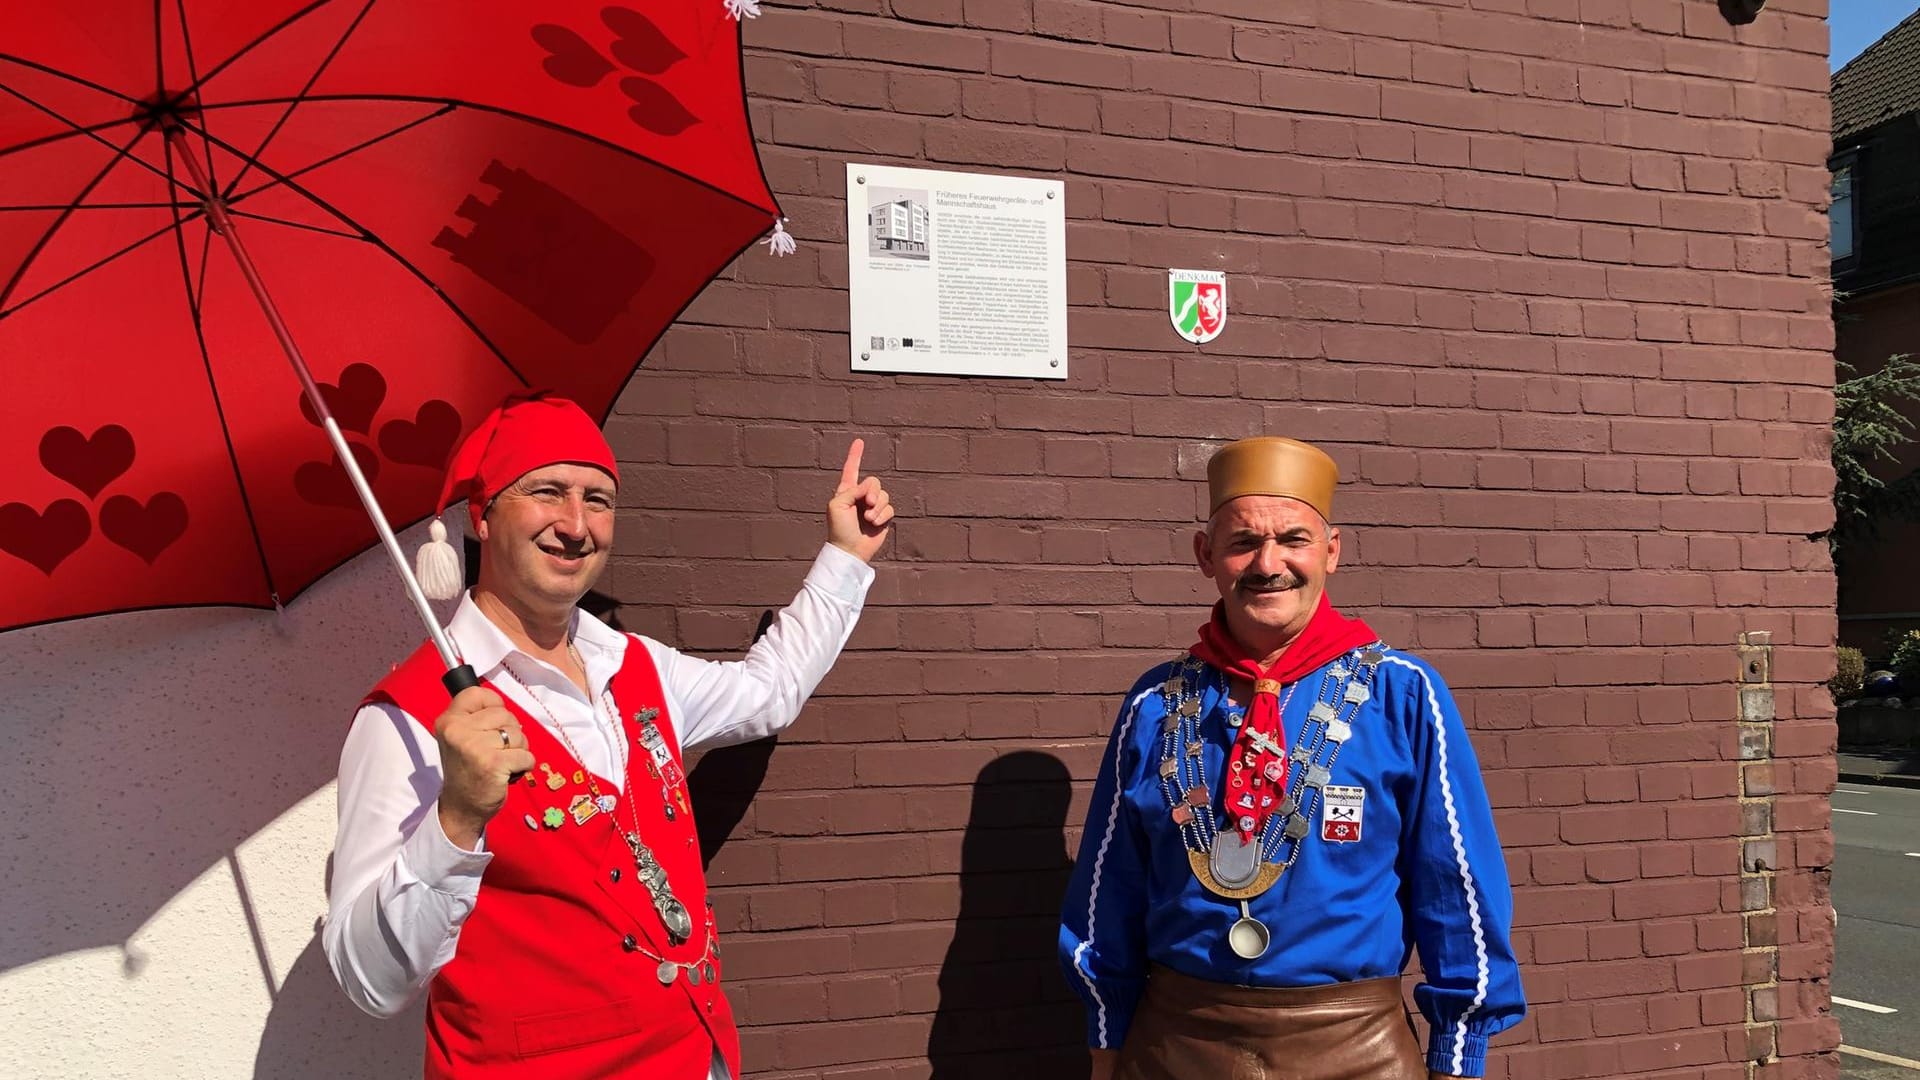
401,890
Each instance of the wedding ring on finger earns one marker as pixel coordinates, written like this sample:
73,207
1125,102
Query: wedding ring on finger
506,740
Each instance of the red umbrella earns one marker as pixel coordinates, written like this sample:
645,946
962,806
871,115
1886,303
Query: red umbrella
439,201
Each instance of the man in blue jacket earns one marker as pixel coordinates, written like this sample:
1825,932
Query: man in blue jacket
1283,815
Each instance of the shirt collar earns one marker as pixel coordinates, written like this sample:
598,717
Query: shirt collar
484,645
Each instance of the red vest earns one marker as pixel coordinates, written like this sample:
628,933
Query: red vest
551,978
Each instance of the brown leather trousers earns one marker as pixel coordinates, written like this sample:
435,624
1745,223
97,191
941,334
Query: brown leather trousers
1191,1029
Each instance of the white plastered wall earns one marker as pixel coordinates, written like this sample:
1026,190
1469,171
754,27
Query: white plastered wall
167,780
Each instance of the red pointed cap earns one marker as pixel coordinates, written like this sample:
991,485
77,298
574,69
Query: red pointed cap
527,432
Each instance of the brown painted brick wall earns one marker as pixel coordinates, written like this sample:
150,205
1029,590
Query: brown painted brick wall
1547,277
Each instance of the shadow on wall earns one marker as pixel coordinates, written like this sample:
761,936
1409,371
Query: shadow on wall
146,747
1005,1009
314,1031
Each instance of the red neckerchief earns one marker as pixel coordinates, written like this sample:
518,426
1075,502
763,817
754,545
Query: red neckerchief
1257,766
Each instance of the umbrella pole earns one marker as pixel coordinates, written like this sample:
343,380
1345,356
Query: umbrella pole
459,676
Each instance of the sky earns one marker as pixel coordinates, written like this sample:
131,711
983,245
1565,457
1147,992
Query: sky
1857,24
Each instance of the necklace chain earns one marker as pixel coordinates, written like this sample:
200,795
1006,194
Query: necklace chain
648,865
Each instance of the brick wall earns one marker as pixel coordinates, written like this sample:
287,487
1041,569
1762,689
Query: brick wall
1547,277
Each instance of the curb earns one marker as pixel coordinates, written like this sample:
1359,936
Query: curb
1881,779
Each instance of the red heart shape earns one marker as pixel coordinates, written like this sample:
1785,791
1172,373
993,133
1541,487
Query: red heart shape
44,539
354,402
655,108
89,464
427,439
570,59
325,483
144,530
640,44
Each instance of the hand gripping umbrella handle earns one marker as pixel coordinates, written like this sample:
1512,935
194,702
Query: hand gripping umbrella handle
459,677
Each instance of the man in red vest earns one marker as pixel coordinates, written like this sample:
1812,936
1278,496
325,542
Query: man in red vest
525,852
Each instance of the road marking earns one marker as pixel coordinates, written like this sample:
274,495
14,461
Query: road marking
1913,854
1864,813
1852,791
1865,1006
1884,1059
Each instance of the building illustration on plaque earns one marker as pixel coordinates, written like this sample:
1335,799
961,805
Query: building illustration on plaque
897,224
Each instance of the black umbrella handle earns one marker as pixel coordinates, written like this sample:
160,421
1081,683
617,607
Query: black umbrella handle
459,678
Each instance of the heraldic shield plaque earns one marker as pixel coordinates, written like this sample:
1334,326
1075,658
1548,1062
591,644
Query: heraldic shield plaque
1197,303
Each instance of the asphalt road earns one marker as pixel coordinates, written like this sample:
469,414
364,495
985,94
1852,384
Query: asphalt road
1876,893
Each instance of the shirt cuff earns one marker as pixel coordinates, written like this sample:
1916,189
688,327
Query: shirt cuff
840,574
439,863
1451,1055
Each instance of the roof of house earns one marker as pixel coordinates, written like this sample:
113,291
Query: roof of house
1881,83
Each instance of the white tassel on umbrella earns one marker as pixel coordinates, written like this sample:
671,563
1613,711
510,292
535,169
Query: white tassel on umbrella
742,9
781,241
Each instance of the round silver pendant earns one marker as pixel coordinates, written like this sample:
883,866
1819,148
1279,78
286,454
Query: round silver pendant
1248,938
667,972
1234,861
679,924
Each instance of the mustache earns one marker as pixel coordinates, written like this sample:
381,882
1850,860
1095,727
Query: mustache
1281,582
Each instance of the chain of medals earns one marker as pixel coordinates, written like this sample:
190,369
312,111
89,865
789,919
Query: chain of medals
673,914
1222,861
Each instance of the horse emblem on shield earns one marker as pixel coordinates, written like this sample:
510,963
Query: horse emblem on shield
1197,303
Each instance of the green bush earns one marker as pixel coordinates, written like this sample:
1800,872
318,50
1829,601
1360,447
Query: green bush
1906,660
1849,673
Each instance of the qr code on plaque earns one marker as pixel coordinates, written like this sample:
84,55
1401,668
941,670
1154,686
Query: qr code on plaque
877,342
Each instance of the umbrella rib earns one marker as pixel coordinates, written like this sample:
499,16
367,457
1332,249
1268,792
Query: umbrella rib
83,272
256,43
331,158
43,69
119,151
213,387
193,73
395,255
206,247
294,224
247,161
99,206
54,226
511,115
180,245
72,130
159,54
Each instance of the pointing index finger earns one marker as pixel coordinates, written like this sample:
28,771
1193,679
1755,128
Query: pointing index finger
850,472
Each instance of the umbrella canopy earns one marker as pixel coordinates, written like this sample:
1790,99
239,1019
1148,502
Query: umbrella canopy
448,199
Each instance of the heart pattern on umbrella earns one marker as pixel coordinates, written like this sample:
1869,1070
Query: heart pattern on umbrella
354,400
640,46
525,241
325,483
44,538
426,440
655,109
570,58
144,530
88,463
638,42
